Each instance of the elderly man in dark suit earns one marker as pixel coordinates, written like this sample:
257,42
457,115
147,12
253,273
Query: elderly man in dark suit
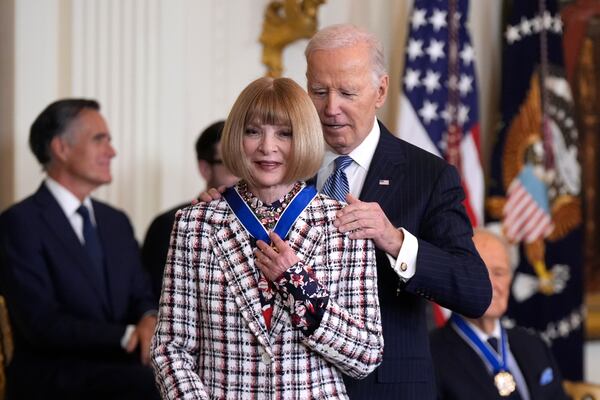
79,300
404,198
479,359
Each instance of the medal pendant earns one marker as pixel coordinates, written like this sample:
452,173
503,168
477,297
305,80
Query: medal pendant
505,383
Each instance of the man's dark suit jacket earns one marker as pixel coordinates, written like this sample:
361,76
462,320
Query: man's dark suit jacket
421,193
462,374
63,324
156,246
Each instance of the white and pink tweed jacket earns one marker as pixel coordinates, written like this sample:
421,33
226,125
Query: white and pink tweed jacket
211,341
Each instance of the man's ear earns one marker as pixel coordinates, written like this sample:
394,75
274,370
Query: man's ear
382,90
59,149
205,170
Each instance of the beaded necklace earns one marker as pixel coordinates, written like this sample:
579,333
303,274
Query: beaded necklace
268,214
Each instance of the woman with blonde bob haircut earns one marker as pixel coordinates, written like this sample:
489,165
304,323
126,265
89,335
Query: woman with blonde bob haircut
262,296
280,101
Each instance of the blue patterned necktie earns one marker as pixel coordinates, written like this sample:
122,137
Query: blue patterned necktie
92,244
336,186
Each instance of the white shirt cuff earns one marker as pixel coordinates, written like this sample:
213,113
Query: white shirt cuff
405,264
127,335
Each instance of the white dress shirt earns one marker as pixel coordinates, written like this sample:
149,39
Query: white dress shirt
356,172
69,203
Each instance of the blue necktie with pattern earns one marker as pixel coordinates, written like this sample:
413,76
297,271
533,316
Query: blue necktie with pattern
336,186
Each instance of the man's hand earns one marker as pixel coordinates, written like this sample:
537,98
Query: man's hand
368,221
210,195
274,261
142,336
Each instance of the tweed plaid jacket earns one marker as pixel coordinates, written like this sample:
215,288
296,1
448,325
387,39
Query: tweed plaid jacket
211,339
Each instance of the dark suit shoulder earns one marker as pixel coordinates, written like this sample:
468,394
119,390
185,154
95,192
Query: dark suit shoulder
23,206
523,334
21,220
165,220
413,153
102,207
525,340
25,215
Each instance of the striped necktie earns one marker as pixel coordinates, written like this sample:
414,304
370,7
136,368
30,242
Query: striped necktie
336,186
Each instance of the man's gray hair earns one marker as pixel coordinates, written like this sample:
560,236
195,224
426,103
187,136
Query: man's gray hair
495,230
347,35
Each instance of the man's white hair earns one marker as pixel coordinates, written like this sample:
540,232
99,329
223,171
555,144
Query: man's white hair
347,35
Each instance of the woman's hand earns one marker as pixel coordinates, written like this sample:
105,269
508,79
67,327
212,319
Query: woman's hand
274,260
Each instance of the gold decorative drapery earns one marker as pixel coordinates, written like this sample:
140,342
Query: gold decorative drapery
286,21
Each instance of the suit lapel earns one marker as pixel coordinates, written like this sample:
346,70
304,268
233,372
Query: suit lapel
237,262
520,352
385,172
58,223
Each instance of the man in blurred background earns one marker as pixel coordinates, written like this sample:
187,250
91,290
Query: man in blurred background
479,359
216,175
79,300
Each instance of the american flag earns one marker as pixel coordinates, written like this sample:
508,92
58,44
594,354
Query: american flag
527,211
438,108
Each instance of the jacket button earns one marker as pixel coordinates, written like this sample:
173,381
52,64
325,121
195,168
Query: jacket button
266,358
403,267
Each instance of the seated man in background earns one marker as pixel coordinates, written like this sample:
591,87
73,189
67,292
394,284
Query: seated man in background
79,300
210,165
479,359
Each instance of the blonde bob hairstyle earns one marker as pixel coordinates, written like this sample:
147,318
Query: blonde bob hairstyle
278,101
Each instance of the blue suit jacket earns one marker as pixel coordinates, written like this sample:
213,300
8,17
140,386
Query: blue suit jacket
461,374
424,196
60,314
